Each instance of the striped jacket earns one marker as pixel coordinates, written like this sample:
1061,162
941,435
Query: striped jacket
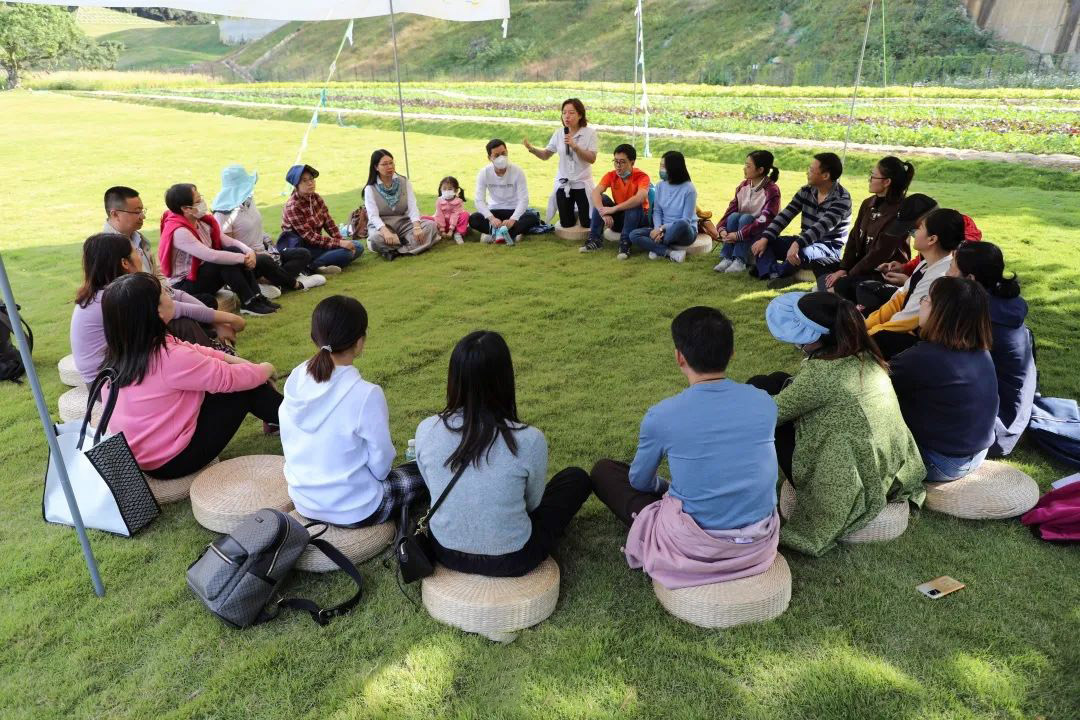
825,223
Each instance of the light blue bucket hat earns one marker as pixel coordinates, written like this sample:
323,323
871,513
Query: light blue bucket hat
788,323
236,187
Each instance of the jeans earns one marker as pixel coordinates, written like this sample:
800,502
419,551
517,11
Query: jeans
577,200
522,225
338,256
944,468
677,235
818,257
737,221
624,222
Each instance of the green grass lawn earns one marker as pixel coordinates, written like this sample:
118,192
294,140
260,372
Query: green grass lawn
592,352
168,46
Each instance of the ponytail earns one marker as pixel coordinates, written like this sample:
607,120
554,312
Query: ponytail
848,337
764,159
984,262
900,173
337,324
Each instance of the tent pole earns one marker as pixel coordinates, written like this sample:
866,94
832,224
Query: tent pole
401,101
637,54
884,61
858,77
47,424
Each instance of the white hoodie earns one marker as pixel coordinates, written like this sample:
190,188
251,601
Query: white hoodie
336,438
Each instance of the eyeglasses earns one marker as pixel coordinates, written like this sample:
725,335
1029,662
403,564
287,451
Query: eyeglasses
133,212
877,177
620,163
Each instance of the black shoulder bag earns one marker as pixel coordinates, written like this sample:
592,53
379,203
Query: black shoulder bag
415,556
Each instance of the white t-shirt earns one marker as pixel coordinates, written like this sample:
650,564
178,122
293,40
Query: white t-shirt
572,167
509,192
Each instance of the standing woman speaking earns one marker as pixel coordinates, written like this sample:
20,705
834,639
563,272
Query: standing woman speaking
576,144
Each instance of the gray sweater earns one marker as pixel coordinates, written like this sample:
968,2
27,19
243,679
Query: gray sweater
487,512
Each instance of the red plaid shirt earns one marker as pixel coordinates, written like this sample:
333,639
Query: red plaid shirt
308,216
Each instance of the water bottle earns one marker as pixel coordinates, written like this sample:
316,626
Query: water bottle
410,451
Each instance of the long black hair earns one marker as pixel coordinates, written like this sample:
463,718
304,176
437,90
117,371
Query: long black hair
134,331
675,164
101,259
480,386
899,174
984,262
847,336
373,173
337,324
764,159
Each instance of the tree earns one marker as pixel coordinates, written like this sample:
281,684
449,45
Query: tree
34,35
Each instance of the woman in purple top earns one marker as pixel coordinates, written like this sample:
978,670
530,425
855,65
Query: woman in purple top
107,256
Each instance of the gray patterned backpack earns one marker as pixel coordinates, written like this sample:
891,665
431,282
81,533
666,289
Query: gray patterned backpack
238,575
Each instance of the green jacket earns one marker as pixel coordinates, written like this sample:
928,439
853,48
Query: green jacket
853,452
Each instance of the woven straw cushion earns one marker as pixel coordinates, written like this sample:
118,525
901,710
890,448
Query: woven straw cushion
224,494
702,245
888,525
357,544
572,233
493,607
805,276
992,492
175,490
72,405
69,374
227,301
737,602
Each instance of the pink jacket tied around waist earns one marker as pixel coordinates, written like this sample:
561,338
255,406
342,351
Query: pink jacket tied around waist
676,552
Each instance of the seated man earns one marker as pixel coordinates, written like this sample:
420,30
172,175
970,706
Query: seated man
717,519
502,197
626,213
826,214
303,220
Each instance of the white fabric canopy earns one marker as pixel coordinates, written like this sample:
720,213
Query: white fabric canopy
323,9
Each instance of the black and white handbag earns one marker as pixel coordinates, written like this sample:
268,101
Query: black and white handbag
110,489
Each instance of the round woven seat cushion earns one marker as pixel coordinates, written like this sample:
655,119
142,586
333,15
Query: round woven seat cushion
737,602
72,405
702,245
357,544
992,492
175,490
224,494
575,232
493,607
227,301
69,374
890,523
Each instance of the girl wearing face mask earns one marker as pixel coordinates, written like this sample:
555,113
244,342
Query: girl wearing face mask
450,215
840,436
198,258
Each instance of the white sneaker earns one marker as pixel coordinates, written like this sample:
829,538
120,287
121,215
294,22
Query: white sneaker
737,266
722,265
486,239
309,281
458,239
328,270
653,256
622,256
270,292
676,255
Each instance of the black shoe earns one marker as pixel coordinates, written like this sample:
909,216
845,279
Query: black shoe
266,301
778,283
256,306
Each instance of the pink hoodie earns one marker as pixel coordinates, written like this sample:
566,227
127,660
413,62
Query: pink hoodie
158,415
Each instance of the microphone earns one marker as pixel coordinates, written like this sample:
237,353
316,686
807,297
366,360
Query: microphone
566,131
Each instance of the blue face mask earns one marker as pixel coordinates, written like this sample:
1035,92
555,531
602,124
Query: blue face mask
663,175
623,174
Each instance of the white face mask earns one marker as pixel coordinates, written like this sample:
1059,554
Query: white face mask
200,208
448,194
500,162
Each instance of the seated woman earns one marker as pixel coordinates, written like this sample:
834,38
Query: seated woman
335,428
840,436
198,258
947,384
235,211
1013,349
876,237
179,404
499,519
716,520
106,257
394,223
674,215
756,202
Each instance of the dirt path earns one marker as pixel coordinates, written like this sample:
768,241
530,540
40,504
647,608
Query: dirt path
1058,161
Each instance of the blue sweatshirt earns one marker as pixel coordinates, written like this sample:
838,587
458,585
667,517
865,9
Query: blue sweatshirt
1014,361
949,398
675,202
718,439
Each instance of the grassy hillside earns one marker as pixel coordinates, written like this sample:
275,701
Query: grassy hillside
167,46
95,21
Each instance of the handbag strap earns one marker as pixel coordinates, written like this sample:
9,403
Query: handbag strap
442,496
322,616
107,375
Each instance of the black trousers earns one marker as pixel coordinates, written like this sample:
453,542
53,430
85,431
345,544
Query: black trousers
892,344
785,433
212,277
283,275
565,494
219,418
578,199
872,293
522,225
611,483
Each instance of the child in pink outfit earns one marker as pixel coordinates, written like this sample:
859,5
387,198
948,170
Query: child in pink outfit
450,215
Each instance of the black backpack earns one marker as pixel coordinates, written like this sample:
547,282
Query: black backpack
11,364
